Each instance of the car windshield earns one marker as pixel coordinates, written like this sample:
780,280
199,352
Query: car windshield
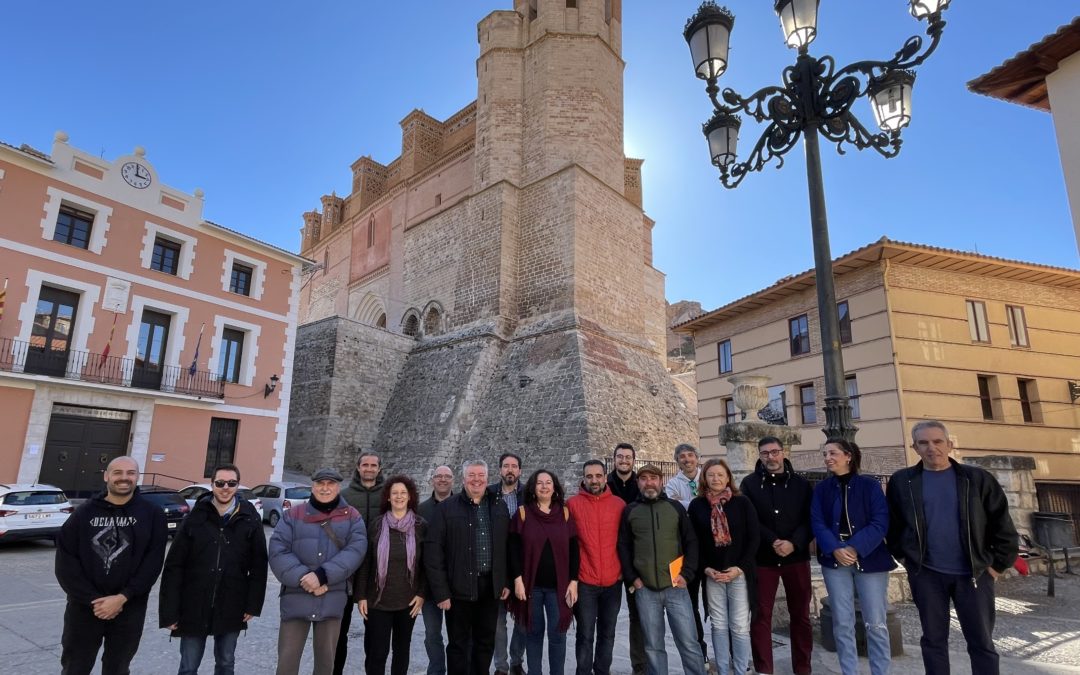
297,492
34,498
246,494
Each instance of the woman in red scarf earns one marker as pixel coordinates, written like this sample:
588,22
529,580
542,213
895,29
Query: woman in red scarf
543,562
389,586
727,529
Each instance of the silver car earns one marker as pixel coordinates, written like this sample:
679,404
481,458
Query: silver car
279,497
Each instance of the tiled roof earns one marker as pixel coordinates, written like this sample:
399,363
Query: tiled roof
901,252
27,150
1022,78
238,233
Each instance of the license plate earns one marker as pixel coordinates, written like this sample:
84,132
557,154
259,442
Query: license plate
36,516
172,526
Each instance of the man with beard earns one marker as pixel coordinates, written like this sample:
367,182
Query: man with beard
597,513
108,556
442,486
683,487
510,490
465,560
782,501
655,532
215,575
622,482
364,494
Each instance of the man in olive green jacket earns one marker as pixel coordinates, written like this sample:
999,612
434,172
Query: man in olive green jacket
655,532
364,494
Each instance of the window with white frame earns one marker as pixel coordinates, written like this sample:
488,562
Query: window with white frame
156,239
852,384
72,219
724,354
242,272
235,347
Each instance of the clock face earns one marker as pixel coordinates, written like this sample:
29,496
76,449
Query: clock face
136,175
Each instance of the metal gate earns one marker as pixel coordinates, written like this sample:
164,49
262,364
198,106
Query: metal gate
1062,498
80,444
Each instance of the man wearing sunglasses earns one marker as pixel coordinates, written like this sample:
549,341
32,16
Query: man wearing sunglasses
215,574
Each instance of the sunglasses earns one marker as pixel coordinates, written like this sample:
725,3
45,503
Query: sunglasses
223,483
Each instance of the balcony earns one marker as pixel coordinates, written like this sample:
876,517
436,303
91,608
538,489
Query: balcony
17,356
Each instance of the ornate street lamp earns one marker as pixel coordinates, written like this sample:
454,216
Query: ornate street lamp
816,97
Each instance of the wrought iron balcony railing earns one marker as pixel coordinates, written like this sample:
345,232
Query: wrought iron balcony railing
25,357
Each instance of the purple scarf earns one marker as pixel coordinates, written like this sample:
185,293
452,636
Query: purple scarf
406,525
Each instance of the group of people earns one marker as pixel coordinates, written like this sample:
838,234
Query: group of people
509,567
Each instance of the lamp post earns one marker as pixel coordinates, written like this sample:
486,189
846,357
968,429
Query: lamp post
816,98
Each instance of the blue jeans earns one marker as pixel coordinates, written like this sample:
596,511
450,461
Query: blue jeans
729,616
842,583
651,606
596,613
544,604
192,648
517,642
433,642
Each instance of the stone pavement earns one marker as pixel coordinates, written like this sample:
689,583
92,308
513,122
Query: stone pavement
1034,633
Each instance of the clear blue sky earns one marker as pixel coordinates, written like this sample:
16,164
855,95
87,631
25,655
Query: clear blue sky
265,105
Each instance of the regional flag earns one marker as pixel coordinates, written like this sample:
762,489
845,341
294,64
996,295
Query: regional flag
191,370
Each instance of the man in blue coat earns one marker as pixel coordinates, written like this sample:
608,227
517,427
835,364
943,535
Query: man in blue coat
314,551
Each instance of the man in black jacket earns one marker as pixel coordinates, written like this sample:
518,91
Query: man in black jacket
623,483
781,498
215,575
108,556
465,560
949,525
442,488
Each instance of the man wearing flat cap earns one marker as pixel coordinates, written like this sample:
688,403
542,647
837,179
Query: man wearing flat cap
655,533
314,551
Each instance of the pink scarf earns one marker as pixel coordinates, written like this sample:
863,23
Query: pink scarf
406,525
720,532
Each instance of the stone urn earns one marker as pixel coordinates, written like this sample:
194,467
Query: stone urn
751,394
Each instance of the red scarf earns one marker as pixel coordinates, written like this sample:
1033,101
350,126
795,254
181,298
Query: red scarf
721,534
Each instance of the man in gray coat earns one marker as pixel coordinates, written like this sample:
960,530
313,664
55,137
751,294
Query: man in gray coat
314,551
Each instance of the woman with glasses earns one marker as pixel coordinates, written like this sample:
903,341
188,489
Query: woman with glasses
850,517
727,530
543,562
389,586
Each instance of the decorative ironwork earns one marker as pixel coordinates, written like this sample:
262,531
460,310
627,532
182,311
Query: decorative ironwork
25,357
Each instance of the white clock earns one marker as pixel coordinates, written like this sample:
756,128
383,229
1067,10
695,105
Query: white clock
136,175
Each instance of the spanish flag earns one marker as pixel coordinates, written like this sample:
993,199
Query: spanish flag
108,345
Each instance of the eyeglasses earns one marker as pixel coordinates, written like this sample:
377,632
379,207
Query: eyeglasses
223,483
771,453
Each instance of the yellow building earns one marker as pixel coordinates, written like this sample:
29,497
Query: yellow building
989,346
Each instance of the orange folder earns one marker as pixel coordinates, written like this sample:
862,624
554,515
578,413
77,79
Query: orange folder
675,567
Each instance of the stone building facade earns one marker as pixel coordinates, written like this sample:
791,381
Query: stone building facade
492,288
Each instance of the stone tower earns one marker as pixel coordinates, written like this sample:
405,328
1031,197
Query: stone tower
549,330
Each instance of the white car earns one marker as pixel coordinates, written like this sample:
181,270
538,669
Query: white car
192,493
32,511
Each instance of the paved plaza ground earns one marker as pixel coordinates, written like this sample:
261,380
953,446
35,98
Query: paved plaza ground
1036,634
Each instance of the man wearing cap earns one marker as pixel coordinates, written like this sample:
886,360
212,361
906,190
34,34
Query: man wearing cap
314,551
655,533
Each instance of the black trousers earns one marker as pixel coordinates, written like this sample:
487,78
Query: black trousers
84,634
974,603
697,599
470,631
381,630
342,652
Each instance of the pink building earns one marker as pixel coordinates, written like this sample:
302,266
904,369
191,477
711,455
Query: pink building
132,326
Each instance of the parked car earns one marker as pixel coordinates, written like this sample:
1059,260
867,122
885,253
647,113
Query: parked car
170,501
194,492
278,497
32,511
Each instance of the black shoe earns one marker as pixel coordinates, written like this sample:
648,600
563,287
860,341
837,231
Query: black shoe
517,670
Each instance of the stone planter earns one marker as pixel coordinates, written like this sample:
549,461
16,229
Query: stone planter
751,394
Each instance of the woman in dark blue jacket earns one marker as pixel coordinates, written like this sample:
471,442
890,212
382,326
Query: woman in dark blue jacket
849,516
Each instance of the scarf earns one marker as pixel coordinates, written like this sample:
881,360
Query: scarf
720,532
407,526
535,531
